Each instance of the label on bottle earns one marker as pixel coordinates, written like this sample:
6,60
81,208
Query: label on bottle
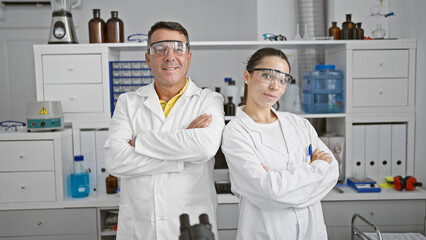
81,189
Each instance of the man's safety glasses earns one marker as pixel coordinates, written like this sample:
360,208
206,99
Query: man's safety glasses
268,76
162,48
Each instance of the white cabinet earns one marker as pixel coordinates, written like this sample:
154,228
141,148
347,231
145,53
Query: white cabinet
78,223
32,166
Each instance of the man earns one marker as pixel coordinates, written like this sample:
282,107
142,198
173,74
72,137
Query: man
162,141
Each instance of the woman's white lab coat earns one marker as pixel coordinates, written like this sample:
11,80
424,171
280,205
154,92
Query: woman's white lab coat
283,202
170,170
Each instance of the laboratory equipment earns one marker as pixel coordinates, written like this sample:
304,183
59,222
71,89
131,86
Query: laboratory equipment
347,28
79,179
230,107
334,31
409,183
290,101
62,26
114,29
12,126
379,32
44,115
201,231
111,184
363,185
323,90
96,28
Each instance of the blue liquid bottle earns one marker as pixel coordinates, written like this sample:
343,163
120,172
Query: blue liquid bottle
79,179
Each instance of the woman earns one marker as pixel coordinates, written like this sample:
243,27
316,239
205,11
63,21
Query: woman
278,183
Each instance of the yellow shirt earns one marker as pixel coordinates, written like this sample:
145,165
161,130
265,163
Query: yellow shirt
167,106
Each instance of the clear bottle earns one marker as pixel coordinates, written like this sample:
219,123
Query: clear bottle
111,184
114,29
79,179
230,108
379,32
334,31
96,28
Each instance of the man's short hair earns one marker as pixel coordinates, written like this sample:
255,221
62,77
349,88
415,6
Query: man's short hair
175,26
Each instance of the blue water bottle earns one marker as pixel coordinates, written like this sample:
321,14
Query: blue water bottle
79,179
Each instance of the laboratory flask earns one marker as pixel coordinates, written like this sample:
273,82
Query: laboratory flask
79,179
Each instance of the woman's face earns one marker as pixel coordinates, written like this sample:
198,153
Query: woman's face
262,91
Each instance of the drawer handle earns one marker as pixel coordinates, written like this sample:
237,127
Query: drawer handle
72,98
371,214
23,187
39,223
71,69
380,92
381,64
21,155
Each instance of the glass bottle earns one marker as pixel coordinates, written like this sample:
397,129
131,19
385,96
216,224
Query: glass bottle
114,29
347,28
230,108
111,184
79,179
96,28
379,32
358,32
334,31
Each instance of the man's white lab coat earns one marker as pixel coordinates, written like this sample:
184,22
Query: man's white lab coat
170,169
284,201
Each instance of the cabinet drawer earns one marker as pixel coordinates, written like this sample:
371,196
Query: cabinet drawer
48,222
380,92
78,68
26,156
380,63
76,98
397,212
27,187
227,216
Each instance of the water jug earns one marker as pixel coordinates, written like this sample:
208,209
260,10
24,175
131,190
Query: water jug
323,90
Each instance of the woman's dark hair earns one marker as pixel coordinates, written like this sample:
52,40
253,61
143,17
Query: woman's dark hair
257,57
175,26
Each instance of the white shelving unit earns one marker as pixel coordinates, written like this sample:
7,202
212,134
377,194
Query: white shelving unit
379,89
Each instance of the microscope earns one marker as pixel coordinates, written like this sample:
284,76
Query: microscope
201,231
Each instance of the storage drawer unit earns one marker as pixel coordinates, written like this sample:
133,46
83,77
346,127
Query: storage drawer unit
72,68
21,223
380,92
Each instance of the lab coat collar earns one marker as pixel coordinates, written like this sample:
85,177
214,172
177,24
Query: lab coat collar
152,102
266,140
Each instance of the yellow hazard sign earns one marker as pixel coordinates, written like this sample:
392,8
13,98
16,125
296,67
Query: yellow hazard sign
43,111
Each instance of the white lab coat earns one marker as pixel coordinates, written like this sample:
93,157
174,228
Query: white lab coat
283,202
170,170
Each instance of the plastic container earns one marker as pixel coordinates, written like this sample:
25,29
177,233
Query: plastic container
323,90
79,179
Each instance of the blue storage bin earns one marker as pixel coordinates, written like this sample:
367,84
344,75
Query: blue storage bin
323,90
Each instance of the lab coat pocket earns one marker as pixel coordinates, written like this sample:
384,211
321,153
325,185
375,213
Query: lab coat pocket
126,219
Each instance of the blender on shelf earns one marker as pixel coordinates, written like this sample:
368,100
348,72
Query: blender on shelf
62,26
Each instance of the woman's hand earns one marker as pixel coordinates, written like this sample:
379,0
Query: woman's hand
321,155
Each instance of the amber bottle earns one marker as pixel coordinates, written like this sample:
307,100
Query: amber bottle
230,108
114,29
347,28
111,184
96,28
334,31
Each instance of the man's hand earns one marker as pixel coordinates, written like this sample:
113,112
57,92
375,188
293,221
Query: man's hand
321,155
202,121
132,142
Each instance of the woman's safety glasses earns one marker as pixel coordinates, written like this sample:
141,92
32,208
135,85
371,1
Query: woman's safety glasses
162,48
268,76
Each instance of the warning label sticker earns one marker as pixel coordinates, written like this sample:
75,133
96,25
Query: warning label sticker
43,111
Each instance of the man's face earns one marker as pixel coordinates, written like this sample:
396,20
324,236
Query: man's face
168,69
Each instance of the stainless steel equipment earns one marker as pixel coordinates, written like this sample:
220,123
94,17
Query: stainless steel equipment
62,26
43,116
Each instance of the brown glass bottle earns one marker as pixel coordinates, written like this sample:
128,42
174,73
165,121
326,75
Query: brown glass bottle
111,184
361,31
96,28
114,29
230,108
347,27
334,31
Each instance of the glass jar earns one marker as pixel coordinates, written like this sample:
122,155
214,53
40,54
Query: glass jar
114,29
379,32
334,31
96,28
111,184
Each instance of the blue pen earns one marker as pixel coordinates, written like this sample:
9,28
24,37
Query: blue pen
310,153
